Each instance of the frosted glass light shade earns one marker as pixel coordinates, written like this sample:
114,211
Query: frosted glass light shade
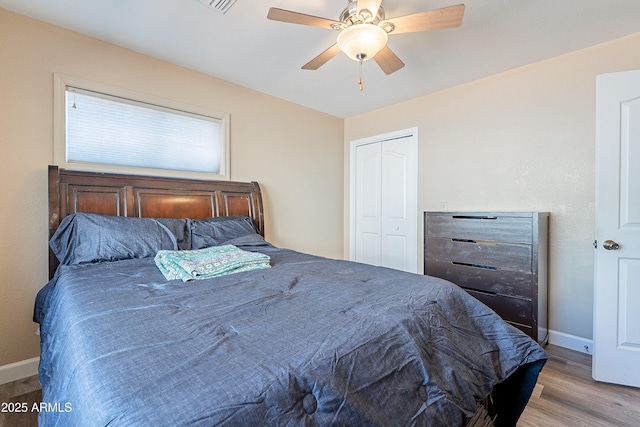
362,41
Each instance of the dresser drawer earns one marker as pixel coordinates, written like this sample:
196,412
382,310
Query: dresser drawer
511,309
483,254
526,329
495,281
484,227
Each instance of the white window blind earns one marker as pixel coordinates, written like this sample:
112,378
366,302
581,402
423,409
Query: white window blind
110,130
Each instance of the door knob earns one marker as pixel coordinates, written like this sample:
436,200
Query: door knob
610,245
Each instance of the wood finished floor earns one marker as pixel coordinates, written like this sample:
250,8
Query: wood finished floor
24,391
565,395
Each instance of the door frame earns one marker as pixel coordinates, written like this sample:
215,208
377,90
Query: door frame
404,133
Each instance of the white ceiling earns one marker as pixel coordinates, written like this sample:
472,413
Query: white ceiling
245,48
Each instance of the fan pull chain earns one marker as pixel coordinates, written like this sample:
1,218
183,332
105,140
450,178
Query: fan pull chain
360,76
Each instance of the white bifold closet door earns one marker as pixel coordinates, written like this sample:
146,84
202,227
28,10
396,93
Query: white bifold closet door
385,217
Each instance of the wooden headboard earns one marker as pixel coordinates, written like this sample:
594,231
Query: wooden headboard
147,196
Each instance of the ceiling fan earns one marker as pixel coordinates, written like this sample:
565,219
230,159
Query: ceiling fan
364,30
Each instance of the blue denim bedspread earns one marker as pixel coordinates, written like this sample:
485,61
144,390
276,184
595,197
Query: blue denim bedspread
310,341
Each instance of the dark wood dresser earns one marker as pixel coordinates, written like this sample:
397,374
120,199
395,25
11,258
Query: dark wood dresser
498,257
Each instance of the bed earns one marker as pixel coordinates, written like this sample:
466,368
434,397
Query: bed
302,340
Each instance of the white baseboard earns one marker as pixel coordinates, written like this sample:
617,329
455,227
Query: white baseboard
572,342
18,370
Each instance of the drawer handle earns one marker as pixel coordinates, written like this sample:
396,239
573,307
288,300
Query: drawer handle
473,217
482,291
478,242
486,267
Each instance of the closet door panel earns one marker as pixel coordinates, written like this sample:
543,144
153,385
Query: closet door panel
368,203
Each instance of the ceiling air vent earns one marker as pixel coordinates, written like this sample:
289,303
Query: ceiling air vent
221,6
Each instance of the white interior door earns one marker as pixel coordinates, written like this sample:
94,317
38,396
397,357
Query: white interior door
384,217
616,357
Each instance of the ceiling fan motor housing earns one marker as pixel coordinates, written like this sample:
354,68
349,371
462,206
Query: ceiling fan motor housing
350,15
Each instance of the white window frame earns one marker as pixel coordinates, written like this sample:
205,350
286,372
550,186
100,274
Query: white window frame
62,82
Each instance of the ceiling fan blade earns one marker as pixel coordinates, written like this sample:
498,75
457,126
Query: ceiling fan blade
438,19
370,5
388,61
321,59
282,15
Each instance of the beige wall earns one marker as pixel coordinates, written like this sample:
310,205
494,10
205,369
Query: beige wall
295,153
523,140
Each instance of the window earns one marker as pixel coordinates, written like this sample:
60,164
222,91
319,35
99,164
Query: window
114,130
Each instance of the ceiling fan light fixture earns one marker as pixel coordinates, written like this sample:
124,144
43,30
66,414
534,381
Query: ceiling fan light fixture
361,42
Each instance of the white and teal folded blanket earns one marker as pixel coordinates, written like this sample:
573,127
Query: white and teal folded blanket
208,262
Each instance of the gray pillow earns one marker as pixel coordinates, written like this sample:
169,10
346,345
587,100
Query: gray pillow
88,237
216,231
